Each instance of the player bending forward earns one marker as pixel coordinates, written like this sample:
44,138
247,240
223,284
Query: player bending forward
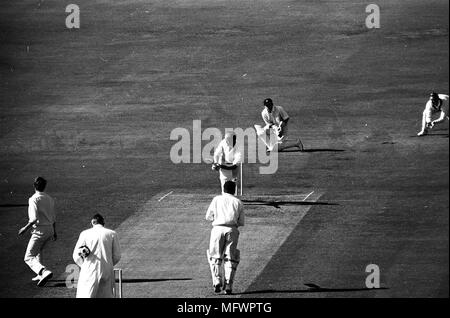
276,120
226,213
438,103
226,159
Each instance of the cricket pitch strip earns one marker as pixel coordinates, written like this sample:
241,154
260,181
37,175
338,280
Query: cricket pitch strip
163,245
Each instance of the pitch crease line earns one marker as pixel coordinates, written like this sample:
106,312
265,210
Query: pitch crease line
162,198
308,196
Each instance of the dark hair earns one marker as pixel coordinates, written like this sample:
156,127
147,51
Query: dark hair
434,95
268,102
40,184
98,219
229,187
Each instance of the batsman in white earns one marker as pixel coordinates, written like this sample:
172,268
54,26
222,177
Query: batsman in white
42,218
276,120
226,159
227,214
96,252
437,104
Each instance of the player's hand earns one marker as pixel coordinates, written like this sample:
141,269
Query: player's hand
84,251
215,167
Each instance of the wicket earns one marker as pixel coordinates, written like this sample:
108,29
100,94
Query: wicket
119,294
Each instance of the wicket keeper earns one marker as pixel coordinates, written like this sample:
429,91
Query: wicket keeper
276,119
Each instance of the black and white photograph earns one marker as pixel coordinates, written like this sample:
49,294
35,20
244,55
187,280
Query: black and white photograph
221,154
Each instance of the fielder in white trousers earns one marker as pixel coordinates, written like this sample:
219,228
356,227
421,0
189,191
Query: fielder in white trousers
42,219
437,104
96,278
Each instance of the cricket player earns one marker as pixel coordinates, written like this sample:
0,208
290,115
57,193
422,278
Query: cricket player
276,120
42,218
437,104
227,158
96,252
226,212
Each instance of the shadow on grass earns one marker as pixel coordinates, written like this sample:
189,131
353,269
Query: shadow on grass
314,150
278,204
62,282
430,135
312,289
13,205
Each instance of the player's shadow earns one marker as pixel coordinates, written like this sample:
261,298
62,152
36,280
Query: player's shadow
63,283
314,150
13,205
430,135
149,280
312,288
278,204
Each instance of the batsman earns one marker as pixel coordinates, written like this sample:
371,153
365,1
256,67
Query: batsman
226,212
227,157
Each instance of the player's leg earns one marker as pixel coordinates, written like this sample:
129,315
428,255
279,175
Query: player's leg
32,258
291,144
215,257
33,254
231,258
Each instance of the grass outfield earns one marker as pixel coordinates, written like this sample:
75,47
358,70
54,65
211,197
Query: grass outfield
92,111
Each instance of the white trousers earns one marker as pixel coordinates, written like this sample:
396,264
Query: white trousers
40,236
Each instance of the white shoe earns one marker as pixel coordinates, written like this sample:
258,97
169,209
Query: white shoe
422,133
36,278
46,275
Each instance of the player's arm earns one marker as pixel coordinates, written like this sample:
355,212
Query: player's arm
241,218
426,116
210,212
77,257
116,253
441,118
32,216
26,227
284,118
266,120
217,153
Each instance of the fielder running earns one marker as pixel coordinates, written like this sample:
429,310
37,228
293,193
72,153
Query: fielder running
276,120
42,218
226,213
438,103
96,252
227,158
